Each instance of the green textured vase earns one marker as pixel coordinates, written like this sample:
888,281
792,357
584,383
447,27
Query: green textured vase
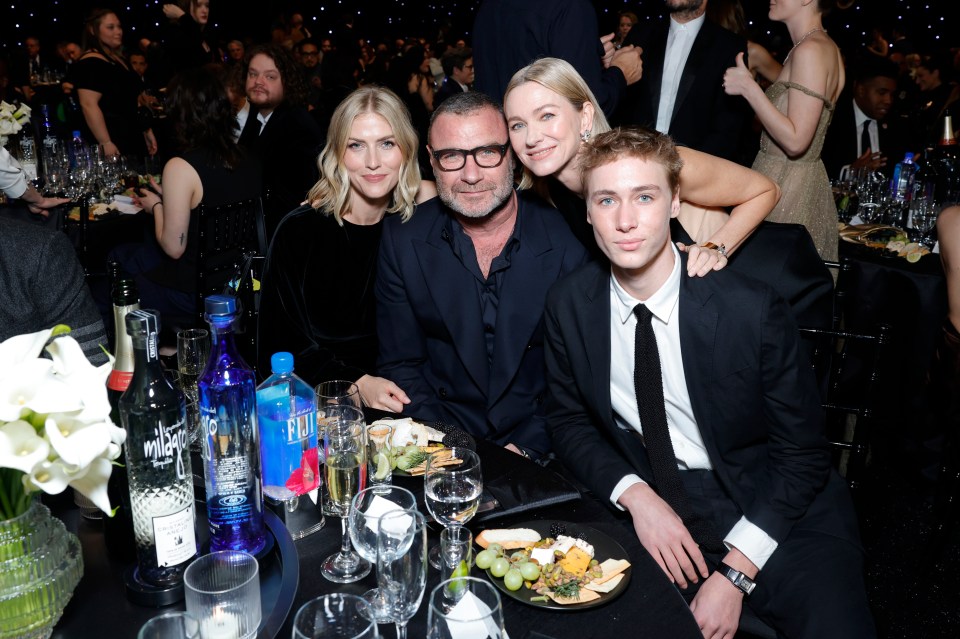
40,565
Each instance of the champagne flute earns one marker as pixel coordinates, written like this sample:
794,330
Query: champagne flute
476,613
333,393
336,616
402,564
452,490
193,351
345,441
367,510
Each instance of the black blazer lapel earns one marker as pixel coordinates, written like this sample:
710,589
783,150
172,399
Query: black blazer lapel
654,74
453,291
698,333
699,53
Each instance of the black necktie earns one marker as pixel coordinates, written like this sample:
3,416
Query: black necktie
865,137
648,384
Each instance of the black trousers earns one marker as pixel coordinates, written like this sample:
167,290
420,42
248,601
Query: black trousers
811,587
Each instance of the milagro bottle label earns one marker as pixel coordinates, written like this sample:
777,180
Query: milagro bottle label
174,536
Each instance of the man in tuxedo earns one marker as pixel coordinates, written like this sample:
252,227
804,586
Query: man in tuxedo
862,133
686,403
461,285
458,69
280,131
681,91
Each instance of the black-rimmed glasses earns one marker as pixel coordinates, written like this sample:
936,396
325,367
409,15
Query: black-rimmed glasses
486,157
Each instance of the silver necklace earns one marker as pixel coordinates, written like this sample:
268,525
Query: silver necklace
805,36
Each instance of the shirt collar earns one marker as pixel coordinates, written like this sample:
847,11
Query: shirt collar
661,304
692,27
860,116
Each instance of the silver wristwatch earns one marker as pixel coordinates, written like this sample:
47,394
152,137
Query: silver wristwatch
741,581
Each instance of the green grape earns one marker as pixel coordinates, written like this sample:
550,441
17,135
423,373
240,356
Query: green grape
530,571
485,558
499,567
495,548
513,579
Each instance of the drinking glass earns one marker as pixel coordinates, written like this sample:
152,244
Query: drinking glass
402,565
924,216
193,351
222,590
456,552
336,616
476,611
170,625
452,490
368,507
345,443
379,471
871,188
333,393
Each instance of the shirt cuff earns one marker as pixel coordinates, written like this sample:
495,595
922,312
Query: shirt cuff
621,487
751,541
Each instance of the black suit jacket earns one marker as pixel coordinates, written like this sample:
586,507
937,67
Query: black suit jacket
432,339
288,147
510,34
704,117
783,256
755,403
448,88
840,145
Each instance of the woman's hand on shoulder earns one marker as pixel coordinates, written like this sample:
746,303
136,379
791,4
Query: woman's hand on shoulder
701,260
380,393
427,191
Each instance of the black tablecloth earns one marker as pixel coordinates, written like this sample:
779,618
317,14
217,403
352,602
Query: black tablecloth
912,299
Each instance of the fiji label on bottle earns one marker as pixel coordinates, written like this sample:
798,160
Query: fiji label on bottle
288,444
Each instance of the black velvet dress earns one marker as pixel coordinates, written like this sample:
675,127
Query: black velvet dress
318,297
118,88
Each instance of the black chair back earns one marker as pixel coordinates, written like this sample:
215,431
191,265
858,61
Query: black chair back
848,367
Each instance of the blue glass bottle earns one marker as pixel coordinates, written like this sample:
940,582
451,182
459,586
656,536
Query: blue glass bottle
289,457
230,438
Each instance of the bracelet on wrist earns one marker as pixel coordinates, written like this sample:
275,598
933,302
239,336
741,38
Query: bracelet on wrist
153,209
722,249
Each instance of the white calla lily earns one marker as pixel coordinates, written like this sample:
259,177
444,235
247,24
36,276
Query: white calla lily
20,446
21,348
93,484
35,387
50,476
86,380
75,441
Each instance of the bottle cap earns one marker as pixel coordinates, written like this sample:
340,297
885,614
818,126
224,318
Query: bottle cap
76,134
281,363
220,305
908,157
143,322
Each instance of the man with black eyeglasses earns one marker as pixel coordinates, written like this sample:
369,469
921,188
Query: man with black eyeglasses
461,285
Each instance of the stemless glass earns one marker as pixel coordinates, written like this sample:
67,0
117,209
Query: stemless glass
366,510
476,613
333,393
402,565
336,616
171,625
452,490
345,443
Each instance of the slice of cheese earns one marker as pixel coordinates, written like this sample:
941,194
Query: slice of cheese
576,562
585,596
611,568
607,586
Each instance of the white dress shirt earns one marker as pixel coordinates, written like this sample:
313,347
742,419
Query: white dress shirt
242,116
684,433
679,42
862,117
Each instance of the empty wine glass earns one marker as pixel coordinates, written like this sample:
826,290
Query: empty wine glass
402,565
476,611
924,215
193,351
345,443
453,482
369,506
336,616
871,189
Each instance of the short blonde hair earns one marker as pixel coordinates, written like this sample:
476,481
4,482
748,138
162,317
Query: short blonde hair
560,77
331,194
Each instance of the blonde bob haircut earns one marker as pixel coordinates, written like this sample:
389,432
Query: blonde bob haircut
560,77
331,194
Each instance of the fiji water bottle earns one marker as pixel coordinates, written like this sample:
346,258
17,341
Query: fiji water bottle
231,453
289,458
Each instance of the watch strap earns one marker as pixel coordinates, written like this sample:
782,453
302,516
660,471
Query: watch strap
743,583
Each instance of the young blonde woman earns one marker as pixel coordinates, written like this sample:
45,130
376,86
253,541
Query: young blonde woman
551,112
795,113
320,270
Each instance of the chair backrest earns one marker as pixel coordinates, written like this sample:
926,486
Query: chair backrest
226,234
848,367
245,285
842,285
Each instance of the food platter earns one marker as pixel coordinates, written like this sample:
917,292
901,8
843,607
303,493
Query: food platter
605,547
